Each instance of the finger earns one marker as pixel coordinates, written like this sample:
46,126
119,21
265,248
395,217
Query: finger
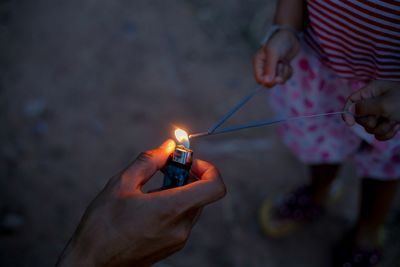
387,136
367,92
270,66
279,73
357,96
384,127
192,178
372,106
372,121
258,66
287,73
146,165
208,189
205,170
368,122
154,190
363,93
349,110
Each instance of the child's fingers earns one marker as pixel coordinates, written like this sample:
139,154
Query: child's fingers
388,135
258,66
348,116
284,72
384,127
270,66
368,122
287,72
279,72
373,106
372,121
363,93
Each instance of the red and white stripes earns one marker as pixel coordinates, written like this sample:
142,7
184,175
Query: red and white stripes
357,39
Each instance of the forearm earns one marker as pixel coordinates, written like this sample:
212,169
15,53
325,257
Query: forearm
78,254
71,257
290,13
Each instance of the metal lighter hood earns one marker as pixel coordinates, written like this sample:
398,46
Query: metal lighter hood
182,155
178,167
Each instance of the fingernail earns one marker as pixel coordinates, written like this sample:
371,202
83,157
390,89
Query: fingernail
168,145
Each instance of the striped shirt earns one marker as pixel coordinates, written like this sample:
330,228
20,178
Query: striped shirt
357,39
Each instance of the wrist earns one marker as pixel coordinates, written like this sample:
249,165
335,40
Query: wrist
82,250
291,13
274,29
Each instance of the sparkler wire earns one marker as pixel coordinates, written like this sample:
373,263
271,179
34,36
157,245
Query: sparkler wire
264,123
234,109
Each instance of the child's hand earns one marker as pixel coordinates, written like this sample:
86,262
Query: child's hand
376,107
272,62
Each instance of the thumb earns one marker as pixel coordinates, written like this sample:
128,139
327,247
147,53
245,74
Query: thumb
146,165
368,107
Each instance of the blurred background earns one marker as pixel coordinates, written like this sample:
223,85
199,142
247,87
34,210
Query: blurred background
88,84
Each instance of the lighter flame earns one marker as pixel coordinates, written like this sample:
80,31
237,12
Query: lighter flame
182,137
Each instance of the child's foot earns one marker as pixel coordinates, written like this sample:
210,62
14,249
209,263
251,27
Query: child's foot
281,217
359,251
358,257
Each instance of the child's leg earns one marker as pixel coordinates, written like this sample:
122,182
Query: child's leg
376,199
379,164
322,176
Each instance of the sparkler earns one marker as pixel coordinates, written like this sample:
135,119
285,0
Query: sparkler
263,123
213,130
234,109
180,161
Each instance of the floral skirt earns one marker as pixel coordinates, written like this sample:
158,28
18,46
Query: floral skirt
315,88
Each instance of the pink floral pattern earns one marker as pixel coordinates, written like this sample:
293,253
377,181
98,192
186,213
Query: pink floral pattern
313,89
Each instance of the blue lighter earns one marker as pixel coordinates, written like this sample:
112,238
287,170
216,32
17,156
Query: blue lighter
178,166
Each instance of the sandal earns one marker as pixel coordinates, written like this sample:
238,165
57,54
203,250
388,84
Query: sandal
285,215
359,258
349,254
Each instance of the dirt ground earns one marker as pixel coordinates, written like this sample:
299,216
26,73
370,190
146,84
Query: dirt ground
88,84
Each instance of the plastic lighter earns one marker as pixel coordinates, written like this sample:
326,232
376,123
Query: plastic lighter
178,166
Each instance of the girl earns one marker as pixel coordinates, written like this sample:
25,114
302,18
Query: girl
349,55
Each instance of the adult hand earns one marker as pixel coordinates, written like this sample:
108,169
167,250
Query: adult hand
376,107
124,226
271,63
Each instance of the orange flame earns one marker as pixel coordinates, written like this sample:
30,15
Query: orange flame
182,137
